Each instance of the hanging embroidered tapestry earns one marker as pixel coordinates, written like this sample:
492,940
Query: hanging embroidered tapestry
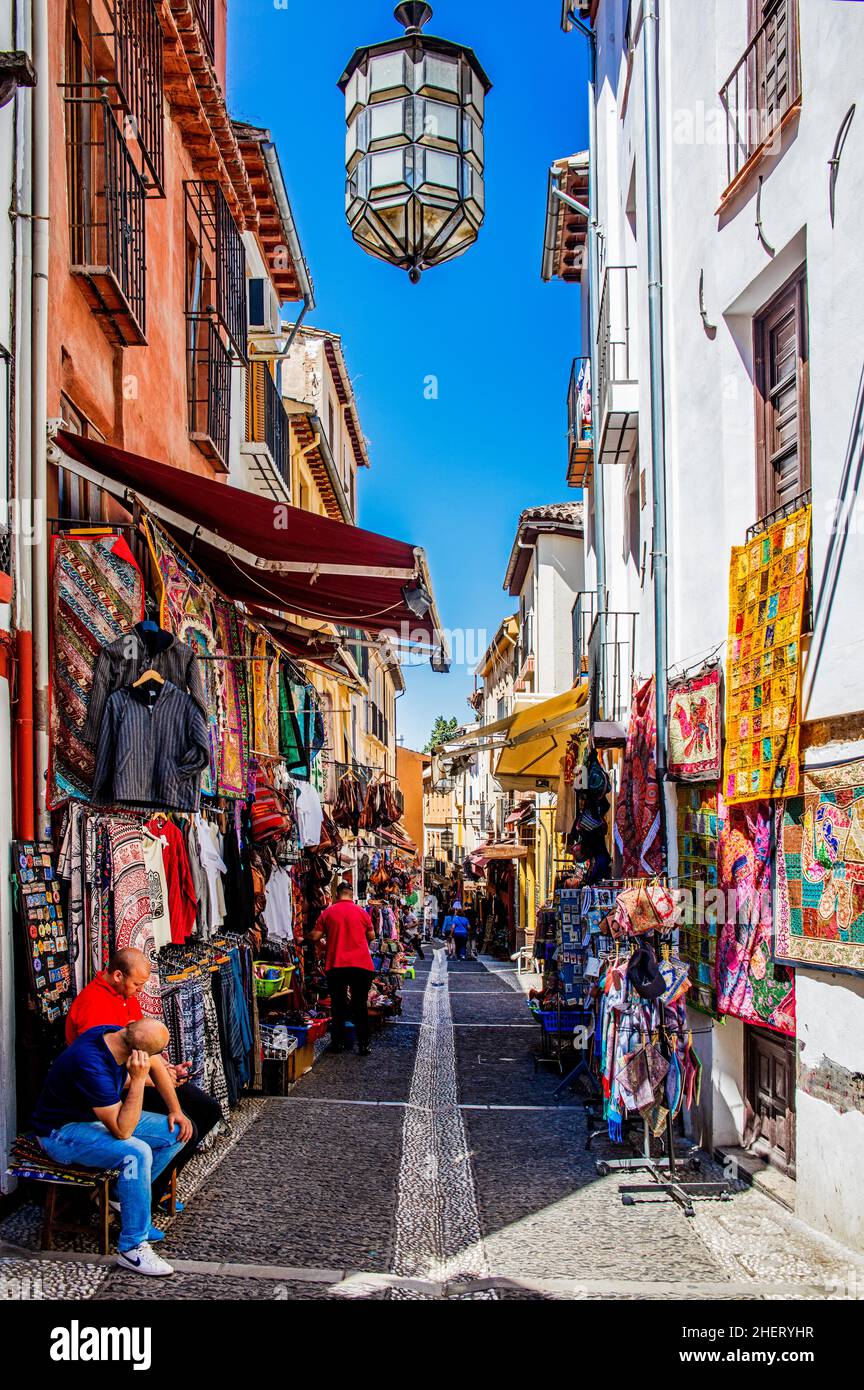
820,871
700,818
97,595
694,728
233,771
637,819
750,985
767,588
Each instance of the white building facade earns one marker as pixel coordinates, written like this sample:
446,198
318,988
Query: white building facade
762,390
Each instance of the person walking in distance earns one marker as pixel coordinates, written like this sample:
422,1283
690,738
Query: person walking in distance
348,930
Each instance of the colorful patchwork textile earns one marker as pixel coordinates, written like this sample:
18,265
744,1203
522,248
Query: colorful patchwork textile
97,596
820,871
694,728
233,772
767,588
750,985
700,812
637,820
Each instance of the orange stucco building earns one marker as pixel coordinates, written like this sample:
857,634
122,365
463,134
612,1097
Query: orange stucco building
153,193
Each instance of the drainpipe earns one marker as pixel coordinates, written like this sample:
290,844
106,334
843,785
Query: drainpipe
39,379
22,481
650,42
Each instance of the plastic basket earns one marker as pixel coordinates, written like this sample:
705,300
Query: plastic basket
567,1021
277,978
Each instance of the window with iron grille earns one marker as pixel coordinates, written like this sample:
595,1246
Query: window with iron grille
215,315
107,190
115,50
216,280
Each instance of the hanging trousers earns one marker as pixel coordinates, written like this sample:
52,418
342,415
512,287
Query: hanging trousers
341,980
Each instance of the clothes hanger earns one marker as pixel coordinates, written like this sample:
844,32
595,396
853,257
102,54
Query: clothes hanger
148,675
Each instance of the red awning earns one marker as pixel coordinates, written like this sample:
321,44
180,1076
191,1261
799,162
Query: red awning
266,552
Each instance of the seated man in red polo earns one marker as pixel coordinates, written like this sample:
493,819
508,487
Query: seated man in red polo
112,998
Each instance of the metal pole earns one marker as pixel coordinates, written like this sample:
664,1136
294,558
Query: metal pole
650,43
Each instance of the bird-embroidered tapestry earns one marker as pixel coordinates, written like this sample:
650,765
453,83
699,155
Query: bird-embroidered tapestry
694,728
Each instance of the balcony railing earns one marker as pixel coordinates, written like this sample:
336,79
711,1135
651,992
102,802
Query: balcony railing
616,355
209,369
612,648
763,86
579,429
267,420
582,617
106,218
205,13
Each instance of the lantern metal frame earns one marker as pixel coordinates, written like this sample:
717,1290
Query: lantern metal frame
414,148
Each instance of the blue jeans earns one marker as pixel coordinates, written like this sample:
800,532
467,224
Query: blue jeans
140,1158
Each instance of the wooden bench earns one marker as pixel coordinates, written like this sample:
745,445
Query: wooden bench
66,1181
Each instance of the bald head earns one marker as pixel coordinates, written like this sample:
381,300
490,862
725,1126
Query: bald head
147,1035
127,972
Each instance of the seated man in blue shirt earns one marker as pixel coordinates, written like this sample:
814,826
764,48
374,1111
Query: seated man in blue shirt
83,1116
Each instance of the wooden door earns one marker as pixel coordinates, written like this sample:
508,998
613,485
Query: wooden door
770,1097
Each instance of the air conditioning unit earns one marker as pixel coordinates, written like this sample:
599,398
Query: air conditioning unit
264,316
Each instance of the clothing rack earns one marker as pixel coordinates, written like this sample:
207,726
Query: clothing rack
664,1172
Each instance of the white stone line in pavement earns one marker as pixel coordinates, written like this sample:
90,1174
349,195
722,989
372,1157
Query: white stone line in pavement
438,1234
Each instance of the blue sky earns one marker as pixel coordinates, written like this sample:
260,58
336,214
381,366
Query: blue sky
450,474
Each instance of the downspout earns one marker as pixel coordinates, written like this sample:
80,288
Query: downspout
39,378
656,381
22,482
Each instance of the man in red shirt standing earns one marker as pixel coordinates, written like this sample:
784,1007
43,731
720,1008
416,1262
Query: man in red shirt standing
112,998
348,929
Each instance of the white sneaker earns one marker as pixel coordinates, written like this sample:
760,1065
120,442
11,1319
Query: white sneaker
142,1259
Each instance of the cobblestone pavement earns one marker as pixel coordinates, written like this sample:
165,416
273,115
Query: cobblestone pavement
439,1168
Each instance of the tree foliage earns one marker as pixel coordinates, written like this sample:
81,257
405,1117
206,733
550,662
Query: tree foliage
442,730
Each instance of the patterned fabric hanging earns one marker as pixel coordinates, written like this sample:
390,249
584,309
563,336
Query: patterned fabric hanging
637,819
820,871
767,593
750,985
97,596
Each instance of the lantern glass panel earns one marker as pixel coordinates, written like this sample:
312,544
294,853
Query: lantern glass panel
442,169
388,72
388,169
386,120
439,74
440,122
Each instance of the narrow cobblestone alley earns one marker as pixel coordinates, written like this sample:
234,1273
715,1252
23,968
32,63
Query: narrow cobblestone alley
441,1168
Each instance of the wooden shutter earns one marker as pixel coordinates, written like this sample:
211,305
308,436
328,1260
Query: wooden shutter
782,410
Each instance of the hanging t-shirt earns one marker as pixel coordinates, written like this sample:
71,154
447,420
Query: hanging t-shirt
182,901
154,863
214,867
278,910
310,816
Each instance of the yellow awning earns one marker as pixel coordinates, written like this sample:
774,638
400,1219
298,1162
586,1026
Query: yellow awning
537,740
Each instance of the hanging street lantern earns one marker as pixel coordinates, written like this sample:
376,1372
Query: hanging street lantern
414,148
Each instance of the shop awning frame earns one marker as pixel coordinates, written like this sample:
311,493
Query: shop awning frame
297,580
